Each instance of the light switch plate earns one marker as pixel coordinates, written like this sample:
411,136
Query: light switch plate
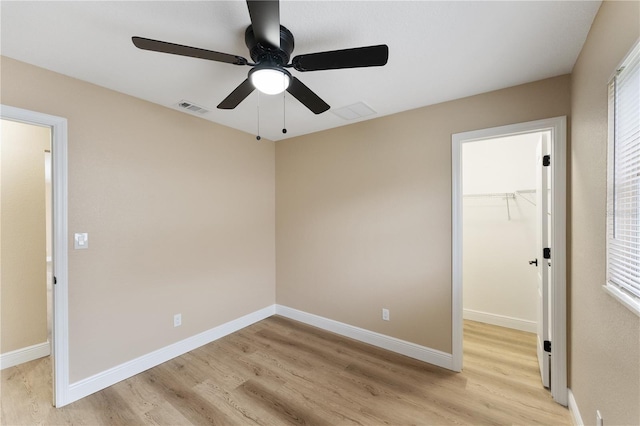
80,240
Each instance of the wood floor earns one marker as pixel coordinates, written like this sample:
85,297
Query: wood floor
279,372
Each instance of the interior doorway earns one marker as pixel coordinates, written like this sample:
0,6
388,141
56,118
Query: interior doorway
549,307
59,328
25,154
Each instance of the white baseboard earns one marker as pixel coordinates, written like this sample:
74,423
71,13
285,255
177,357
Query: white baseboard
573,409
500,320
109,377
23,355
121,372
409,349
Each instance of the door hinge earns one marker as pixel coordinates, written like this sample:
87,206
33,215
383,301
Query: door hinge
546,253
547,346
55,280
546,160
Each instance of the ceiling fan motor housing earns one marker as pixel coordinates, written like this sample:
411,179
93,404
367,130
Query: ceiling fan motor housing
277,55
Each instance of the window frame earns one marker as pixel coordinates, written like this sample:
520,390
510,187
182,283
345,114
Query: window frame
618,292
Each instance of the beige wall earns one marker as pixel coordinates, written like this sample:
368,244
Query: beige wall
23,290
363,212
179,211
605,336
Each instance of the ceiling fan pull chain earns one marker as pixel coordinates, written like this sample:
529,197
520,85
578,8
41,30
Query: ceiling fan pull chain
284,112
258,137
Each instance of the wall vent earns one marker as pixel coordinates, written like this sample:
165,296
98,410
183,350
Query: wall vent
191,107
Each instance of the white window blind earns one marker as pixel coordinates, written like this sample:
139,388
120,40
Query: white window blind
623,200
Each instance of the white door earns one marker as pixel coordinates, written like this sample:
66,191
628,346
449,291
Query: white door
543,266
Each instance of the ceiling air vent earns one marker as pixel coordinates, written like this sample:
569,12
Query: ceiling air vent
351,112
191,107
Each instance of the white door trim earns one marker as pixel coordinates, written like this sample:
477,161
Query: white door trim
60,336
558,128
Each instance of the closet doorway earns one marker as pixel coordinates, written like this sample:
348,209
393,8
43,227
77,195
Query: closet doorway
508,218
499,238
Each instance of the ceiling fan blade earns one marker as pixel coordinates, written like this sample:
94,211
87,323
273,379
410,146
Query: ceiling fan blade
194,52
238,95
370,56
265,20
306,96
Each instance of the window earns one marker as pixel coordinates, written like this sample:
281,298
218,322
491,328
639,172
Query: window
623,183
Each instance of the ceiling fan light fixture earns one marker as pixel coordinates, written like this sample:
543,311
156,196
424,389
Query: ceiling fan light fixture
270,80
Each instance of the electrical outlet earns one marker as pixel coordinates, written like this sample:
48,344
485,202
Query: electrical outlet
599,421
385,314
177,320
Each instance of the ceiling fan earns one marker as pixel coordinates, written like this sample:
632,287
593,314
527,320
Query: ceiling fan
270,46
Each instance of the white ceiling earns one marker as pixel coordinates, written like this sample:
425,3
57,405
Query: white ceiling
439,51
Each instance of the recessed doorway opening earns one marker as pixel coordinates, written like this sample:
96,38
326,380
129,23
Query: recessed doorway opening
548,196
59,325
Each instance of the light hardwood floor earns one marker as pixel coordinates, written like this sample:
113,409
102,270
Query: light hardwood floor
280,371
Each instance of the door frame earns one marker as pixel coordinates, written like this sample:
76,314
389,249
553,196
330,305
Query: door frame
60,328
557,126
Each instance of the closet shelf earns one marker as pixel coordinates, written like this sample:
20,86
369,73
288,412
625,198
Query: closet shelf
492,195
522,193
506,196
